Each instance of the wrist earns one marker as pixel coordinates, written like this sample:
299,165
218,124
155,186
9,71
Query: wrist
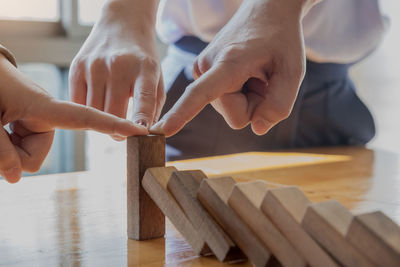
297,8
134,13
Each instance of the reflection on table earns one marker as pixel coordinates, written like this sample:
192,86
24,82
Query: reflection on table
79,219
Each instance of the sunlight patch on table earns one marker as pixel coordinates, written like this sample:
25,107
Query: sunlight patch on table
251,161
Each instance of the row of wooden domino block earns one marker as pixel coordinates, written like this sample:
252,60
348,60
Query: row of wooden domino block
237,220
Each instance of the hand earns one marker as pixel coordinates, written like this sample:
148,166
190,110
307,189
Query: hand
32,116
119,60
250,72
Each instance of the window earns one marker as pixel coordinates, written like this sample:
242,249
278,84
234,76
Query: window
54,30
38,10
89,11
50,31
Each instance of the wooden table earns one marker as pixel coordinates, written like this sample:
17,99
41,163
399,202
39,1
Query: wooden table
79,219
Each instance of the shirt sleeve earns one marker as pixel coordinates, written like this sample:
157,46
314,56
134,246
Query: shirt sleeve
7,53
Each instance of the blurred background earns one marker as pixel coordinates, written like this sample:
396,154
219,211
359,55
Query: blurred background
45,35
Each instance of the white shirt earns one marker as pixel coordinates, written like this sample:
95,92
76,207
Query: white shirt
339,31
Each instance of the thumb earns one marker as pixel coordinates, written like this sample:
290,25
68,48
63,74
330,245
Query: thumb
10,164
218,80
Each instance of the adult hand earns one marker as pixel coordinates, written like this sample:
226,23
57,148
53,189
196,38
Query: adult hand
250,72
119,60
33,115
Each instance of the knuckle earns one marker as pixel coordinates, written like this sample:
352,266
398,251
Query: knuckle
145,95
97,66
196,70
284,114
76,70
298,71
231,53
280,114
294,70
78,63
120,62
273,115
140,115
117,60
150,63
150,68
201,66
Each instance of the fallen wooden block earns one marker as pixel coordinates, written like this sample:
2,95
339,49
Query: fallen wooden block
214,195
155,182
328,222
184,186
246,199
145,220
285,207
377,237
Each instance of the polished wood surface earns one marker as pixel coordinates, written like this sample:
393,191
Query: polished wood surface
79,219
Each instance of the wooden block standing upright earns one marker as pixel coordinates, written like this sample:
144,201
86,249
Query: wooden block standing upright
285,207
328,222
214,195
184,186
246,199
377,236
145,220
155,182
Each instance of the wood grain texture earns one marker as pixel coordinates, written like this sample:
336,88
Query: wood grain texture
214,195
155,182
184,186
144,218
285,207
246,199
377,237
79,218
328,222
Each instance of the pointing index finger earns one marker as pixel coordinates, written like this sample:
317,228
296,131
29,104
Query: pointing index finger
67,115
211,85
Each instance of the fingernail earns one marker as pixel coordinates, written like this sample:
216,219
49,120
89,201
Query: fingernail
260,126
260,123
117,137
12,174
142,123
137,125
157,128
